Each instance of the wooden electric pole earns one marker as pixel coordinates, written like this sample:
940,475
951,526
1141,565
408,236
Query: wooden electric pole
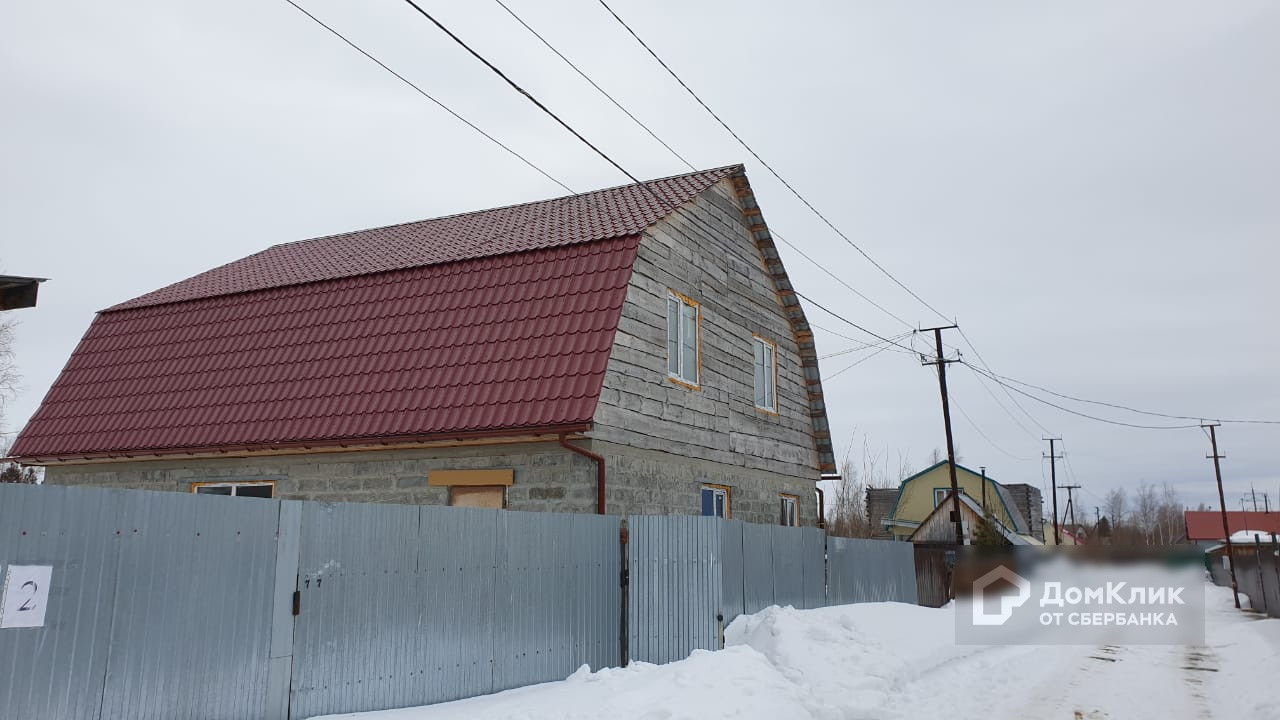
1222,504
1053,476
942,362
1071,508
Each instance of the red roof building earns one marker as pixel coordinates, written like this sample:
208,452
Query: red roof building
1206,525
647,330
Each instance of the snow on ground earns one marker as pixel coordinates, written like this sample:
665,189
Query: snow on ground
888,661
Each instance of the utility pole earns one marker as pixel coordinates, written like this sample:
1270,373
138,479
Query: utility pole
1222,503
1254,493
942,362
1053,475
1071,508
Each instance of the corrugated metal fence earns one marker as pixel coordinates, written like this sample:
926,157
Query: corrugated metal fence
164,605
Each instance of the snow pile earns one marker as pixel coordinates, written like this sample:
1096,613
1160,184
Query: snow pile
893,662
1247,536
848,657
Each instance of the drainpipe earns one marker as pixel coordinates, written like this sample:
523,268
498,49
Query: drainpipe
599,459
822,508
822,504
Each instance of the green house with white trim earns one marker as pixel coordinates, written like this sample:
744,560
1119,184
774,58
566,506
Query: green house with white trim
1017,507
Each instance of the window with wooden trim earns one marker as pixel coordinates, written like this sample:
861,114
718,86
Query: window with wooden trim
492,497
766,373
682,339
258,489
716,501
788,510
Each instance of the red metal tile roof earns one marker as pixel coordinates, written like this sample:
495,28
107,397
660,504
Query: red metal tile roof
507,342
597,215
494,321
1207,524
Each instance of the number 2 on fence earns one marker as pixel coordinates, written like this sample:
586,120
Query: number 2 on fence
25,595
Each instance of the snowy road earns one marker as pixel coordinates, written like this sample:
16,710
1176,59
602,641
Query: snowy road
887,661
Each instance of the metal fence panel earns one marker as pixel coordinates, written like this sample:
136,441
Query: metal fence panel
732,568
458,557
757,564
191,628
58,670
557,597
676,590
159,604
359,611
870,571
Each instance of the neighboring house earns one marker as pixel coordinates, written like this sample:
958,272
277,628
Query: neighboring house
918,495
1069,536
632,350
18,292
1204,527
939,528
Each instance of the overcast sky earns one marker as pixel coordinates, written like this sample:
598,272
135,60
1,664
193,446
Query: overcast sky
1092,189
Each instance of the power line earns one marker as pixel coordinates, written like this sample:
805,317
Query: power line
529,96
681,158
982,382
1014,400
857,362
593,84
1126,407
766,165
990,442
1074,412
847,321
428,96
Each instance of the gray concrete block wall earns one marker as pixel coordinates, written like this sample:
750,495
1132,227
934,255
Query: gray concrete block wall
651,482
547,477
714,261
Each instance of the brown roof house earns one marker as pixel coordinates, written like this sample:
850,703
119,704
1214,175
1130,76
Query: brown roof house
631,350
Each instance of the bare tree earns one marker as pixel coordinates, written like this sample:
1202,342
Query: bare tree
1117,507
8,370
1146,505
847,516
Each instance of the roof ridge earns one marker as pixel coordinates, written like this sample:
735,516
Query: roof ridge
497,208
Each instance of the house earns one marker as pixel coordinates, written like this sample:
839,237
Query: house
916,497
939,528
637,349
1204,527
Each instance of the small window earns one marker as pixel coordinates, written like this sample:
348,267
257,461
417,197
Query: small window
940,494
236,489
492,497
787,511
682,339
715,501
766,370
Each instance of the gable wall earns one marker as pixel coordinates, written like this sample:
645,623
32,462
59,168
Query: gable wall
715,262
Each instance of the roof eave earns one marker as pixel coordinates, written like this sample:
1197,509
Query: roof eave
352,444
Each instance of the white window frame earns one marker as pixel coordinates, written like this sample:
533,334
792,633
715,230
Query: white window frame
721,496
789,511
234,485
684,343
764,366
